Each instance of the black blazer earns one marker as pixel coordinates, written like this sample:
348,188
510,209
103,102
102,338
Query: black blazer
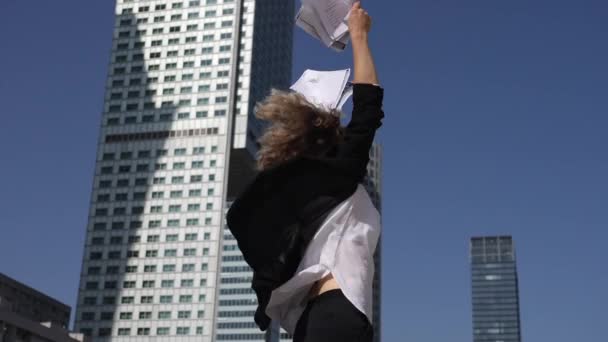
279,212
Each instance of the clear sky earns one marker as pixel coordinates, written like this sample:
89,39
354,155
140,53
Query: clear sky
496,121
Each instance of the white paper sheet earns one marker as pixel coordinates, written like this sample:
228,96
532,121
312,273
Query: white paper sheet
326,89
326,20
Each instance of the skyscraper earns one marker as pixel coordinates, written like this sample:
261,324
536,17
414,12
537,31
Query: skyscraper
177,137
373,184
494,289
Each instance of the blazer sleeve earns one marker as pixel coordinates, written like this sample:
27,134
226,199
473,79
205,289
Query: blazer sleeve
352,152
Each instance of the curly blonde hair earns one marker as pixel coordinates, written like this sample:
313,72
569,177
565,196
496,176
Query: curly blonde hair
297,128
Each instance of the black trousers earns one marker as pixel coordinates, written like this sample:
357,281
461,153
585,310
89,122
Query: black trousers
330,317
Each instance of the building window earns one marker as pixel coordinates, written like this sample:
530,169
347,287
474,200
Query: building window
194,193
103,332
95,270
145,315
90,300
136,210
176,194
127,300
124,331
192,222
151,253
167,283
154,223
132,254
185,299
194,207
183,330
143,331
146,299
88,316
112,270
149,268
109,285
99,226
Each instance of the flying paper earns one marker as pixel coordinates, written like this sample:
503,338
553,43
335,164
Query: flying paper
326,89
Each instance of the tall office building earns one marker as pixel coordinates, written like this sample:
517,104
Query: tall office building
495,290
177,137
237,301
373,185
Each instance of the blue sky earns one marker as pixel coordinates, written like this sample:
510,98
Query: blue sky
496,120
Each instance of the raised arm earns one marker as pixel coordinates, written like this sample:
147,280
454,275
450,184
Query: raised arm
352,153
359,24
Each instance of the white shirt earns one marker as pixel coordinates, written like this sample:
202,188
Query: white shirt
344,246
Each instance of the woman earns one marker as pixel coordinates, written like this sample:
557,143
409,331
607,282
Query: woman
305,225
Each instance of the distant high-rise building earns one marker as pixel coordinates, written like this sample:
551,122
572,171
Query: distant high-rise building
177,136
373,184
494,289
29,315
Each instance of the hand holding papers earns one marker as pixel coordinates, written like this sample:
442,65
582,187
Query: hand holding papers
326,89
326,21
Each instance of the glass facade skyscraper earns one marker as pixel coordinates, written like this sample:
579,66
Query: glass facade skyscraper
494,290
177,136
